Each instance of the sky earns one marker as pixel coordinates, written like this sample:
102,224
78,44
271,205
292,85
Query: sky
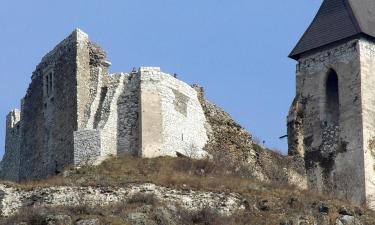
237,49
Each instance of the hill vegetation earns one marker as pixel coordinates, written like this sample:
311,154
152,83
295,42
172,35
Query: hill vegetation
273,202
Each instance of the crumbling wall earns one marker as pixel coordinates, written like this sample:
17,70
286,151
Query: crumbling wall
87,147
92,82
109,116
295,127
10,165
128,112
51,118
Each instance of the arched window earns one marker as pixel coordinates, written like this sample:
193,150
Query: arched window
332,98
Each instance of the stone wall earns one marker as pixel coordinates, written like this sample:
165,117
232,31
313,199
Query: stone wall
172,117
87,147
367,58
109,124
128,113
10,166
58,102
50,118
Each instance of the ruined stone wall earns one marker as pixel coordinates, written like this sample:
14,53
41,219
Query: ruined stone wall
172,119
109,123
11,164
128,112
50,117
93,78
333,151
87,147
64,96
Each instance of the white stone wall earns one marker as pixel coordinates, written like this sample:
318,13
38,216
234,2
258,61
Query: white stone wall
96,84
109,126
367,58
183,120
171,115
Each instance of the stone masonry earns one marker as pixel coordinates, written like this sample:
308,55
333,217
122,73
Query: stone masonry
331,121
75,112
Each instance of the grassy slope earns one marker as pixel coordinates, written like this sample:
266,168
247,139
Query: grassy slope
267,203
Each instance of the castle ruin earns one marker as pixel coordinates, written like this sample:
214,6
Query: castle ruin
331,123
75,112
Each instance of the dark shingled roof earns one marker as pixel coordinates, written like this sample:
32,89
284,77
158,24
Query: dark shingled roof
337,20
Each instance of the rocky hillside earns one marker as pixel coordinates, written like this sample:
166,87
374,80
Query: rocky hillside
167,191
231,144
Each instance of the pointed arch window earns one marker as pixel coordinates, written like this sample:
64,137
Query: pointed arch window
332,98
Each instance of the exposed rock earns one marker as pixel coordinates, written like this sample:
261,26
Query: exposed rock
231,143
345,211
348,220
14,199
88,222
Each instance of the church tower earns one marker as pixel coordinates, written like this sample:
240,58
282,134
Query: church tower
331,123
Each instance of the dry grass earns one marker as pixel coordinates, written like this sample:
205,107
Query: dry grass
181,173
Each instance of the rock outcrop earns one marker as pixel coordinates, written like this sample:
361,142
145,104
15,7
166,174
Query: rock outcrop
153,205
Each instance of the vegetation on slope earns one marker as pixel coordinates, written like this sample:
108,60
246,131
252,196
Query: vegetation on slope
266,203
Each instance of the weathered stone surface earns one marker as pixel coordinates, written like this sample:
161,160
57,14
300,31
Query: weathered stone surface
11,162
330,123
231,143
348,220
88,222
87,145
14,199
75,112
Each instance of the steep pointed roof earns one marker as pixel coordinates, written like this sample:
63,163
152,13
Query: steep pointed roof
337,20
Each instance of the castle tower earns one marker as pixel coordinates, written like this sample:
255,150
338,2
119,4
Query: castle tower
331,123
56,104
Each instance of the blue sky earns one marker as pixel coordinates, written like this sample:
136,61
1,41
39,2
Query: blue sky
236,49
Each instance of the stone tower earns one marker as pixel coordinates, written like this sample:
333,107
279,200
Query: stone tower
331,123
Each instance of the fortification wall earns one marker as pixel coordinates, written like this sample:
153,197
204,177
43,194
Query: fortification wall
172,118
109,123
333,150
10,165
50,112
128,112
168,109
